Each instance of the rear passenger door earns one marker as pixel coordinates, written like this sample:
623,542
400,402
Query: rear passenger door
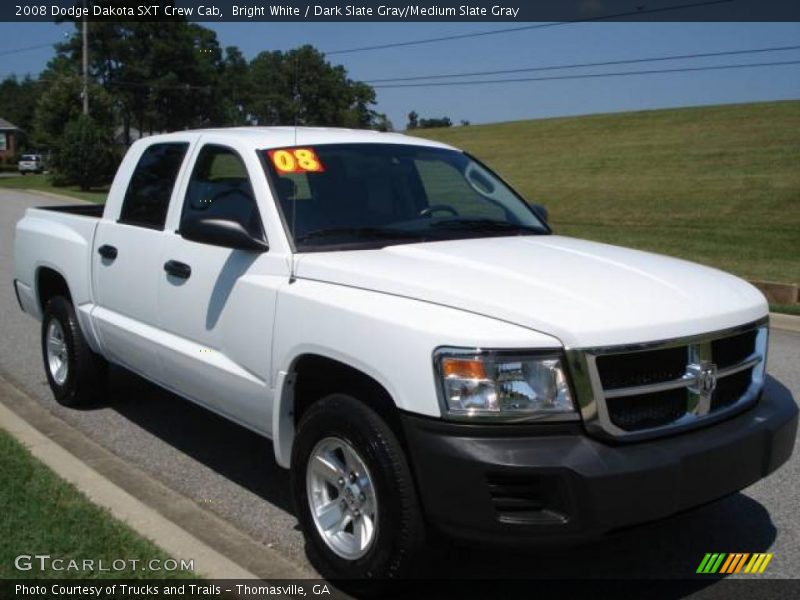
127,261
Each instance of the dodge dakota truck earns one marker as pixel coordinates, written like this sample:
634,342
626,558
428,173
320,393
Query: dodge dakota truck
425,354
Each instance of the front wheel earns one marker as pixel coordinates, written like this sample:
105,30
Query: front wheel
354,494
76,374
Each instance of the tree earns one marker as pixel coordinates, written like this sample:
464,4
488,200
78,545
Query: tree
233,90
162,75
382,123
300,86
413,120
86,154
18,99
172,74
62,103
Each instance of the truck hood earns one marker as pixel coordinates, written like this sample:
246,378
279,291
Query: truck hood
584,293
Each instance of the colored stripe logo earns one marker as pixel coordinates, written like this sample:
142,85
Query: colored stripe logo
734,562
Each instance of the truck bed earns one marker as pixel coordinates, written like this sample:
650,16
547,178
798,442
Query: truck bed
86,210
57,238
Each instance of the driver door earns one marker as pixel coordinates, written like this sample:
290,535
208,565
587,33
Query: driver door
217,304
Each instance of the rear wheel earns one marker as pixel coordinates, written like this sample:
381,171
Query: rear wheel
76,374
354,494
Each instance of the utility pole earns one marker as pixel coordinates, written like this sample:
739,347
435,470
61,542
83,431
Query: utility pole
85,61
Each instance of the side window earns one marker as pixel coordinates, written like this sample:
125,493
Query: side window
220,189
147,199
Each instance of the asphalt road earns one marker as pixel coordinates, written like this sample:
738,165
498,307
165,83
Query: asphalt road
231,471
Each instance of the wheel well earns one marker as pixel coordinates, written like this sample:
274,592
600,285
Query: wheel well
50,283
317,376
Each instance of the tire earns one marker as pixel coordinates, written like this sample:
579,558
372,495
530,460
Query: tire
398,532
82,379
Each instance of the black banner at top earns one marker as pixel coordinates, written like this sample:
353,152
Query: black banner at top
401,10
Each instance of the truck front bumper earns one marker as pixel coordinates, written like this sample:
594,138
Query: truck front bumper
553,483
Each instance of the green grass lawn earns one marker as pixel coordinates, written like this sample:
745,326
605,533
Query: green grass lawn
42,514
42,183
718,185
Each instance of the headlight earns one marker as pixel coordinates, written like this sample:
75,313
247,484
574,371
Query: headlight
478,384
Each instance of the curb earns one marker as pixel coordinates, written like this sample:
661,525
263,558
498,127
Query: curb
784,322
171,521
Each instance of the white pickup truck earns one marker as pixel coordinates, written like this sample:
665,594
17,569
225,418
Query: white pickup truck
423,351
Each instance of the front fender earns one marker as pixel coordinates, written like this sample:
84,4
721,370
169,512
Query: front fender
390,338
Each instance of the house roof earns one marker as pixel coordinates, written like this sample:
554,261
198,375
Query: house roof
6,124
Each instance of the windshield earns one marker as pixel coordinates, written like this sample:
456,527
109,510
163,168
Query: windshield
354,196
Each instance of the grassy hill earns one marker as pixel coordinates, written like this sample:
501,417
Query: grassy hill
718,185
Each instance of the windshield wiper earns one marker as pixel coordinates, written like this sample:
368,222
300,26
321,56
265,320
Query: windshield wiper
359,232
484,225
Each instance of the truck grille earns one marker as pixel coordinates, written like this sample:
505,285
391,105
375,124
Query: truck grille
642,391
645,411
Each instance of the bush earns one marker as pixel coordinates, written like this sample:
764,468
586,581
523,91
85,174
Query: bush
86,155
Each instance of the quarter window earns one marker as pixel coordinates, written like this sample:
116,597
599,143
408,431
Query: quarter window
147,199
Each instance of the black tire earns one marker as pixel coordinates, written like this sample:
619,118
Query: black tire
86,372
400,529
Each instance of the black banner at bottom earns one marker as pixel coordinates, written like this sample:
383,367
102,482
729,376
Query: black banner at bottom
192,589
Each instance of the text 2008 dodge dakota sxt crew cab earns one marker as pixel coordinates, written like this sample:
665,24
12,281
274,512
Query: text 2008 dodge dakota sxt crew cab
422,350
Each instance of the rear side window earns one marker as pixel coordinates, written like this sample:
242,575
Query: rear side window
147,199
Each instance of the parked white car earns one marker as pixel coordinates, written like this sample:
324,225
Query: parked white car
30,163
422,350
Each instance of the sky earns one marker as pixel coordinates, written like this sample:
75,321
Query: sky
566,44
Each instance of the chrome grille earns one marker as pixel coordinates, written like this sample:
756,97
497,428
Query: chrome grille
641,391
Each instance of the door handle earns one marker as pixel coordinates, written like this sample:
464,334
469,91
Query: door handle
106,251
178,269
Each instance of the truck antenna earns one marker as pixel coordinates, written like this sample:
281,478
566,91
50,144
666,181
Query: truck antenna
295,104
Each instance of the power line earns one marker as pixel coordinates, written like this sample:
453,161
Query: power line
582,65
27,48
156,86
588,75
123,83
462,36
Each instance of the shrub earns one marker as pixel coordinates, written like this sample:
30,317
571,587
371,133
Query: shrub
85,156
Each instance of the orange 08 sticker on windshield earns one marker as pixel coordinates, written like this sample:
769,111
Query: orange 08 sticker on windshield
296,160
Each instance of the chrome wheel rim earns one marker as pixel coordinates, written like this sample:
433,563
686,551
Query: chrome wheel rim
57,356
342,498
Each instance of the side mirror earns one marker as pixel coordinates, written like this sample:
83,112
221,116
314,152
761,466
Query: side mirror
222,232
540,211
